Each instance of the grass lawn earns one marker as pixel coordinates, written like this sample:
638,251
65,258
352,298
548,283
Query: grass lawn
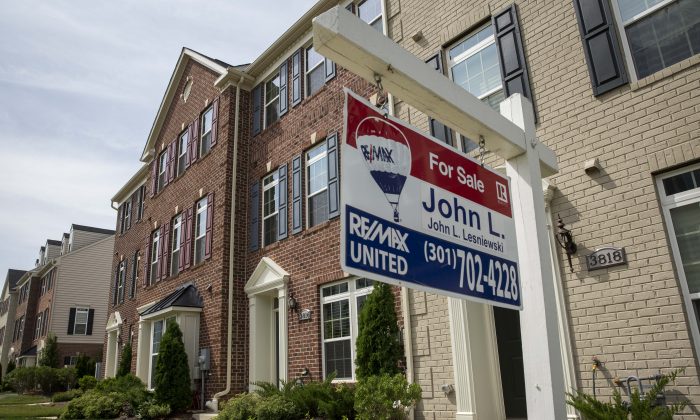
13,406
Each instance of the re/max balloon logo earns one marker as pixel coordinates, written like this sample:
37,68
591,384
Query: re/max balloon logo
372,153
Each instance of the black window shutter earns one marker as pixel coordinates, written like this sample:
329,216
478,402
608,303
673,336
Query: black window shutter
154,176
296,78
284,104
66,361
91,315
215,122
254,233
297,220
71,321
437,129
600,46
120,218
134,273
333,187
116,284
190,135
330,69
282,200
147,260
511,53
257,109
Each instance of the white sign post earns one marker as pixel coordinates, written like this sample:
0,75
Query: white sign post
342,37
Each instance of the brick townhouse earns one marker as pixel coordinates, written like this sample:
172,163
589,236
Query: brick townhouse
65,294
230,227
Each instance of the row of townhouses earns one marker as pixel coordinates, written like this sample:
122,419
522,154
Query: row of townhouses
64,294
230,228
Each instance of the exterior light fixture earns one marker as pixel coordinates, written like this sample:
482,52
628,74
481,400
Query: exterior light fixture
566,241
292,304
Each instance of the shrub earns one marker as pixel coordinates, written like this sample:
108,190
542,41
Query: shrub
66,396
151,410
125,362
385,397
640,407
48,379
22,379
67,377
379,348
84,365
276,407
49,354
110,398
240,407
87,382
172,375
10,366
341,404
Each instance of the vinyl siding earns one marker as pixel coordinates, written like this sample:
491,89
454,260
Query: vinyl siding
52,251
82,238
83,280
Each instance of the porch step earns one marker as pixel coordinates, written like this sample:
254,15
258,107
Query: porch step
204,416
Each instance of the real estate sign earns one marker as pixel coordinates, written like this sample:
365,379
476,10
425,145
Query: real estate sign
417,213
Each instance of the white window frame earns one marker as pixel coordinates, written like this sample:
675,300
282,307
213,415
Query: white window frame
37,330
200,210
351,295
376,18
308,163
175,246
126,215
86,311
162,166
134,275
274,186
155,257
121,283
151,353
308,70
202,129
668,203
622,25
182,151
141,200
267,103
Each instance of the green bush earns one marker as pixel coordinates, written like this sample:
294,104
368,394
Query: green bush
385,397
66,396
379,347
49,353
240,407
125,362
172,375
341,404
84,365
48,379
111,398
87,382
22,379
67,377
10,366
640,406
151,410
276,407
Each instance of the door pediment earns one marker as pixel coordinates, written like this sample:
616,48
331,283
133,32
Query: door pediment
266,276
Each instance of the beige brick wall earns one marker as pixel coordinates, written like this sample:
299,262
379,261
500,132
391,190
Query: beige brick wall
631,317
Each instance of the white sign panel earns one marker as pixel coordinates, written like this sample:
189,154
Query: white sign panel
417,213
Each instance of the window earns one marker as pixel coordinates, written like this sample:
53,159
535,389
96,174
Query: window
126,215
182,153
680,198
121,280
49,282
157,331
205,144
340,306
317,185
175,246
45,325
81,321
315,71
200,230
370,11
134,275
658,33
473,64
141,199
162,170
43,284
37,329
272,100
270,208
155,258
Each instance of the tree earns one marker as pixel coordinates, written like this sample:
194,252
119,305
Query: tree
84,366
172,376
379,348
49,354
125,362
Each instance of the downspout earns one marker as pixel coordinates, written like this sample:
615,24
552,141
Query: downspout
214,403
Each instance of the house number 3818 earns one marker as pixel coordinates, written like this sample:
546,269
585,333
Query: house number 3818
606,257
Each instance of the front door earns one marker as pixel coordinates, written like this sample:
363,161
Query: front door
510,355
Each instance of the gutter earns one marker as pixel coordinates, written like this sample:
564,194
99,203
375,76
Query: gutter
214,403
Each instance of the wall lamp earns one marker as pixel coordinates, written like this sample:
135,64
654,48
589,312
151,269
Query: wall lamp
292,304
566,241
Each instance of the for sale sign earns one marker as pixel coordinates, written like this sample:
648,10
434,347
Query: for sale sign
417,213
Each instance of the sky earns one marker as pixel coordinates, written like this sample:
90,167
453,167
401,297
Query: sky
80,85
